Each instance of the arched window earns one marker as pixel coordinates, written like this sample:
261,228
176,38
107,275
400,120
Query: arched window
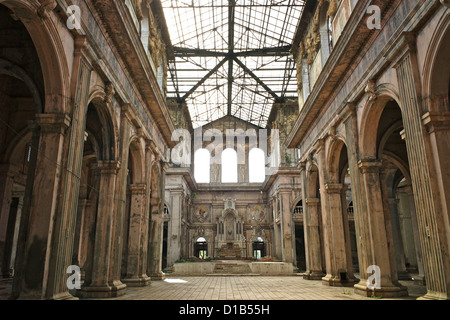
257,166
201,248
202,165
229,166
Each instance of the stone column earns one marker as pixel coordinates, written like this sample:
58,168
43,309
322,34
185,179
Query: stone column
97,285
398,241
312,239
340,273
70,163
287,239
135,277
37,273
154,268
6,186
420,278
426,175
174,232
118,288
377,252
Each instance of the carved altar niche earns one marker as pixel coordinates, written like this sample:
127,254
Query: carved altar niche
230,239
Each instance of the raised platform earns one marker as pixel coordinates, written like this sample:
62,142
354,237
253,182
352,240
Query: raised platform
233,267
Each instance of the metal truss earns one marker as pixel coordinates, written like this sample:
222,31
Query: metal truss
232,57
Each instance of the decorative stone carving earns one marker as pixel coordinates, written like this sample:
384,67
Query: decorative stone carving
332,9
371,89
137,5
109,92
46,7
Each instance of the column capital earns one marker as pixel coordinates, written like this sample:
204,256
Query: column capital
138,188
312,201
53,122
370,165
436,121
333,187
108,166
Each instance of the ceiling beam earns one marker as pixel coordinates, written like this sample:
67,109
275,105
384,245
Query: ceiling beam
278,51
258,80
206,77
231,16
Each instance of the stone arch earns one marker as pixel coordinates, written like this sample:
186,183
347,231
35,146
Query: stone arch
10,69
109,132
334,160
436,80
370,120
137,161
51,53
312,181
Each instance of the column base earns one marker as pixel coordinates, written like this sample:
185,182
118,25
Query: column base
118,288
435,296
384,292
335,281
313,275
95,292
158,276
141,281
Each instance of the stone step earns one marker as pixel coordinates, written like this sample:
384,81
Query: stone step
232,268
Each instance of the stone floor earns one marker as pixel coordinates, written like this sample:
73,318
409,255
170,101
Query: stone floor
240,288
249,288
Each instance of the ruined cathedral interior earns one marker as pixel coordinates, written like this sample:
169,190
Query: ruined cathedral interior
146,140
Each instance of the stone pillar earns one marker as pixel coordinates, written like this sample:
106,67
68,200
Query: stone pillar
426,175
174,232
276,235
287,224
97,284
154,268
312,239
70,163
340,273
84,207
118,288
420,278
88,225
37,274
398,241
6,186
377,252
135,277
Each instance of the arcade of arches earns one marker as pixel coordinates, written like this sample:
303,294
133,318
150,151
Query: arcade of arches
355,158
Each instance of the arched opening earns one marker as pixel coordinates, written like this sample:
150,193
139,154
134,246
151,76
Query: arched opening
259,248
343,224
298,219
22,92
202,166
229,166
257,167
201,248
398,197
